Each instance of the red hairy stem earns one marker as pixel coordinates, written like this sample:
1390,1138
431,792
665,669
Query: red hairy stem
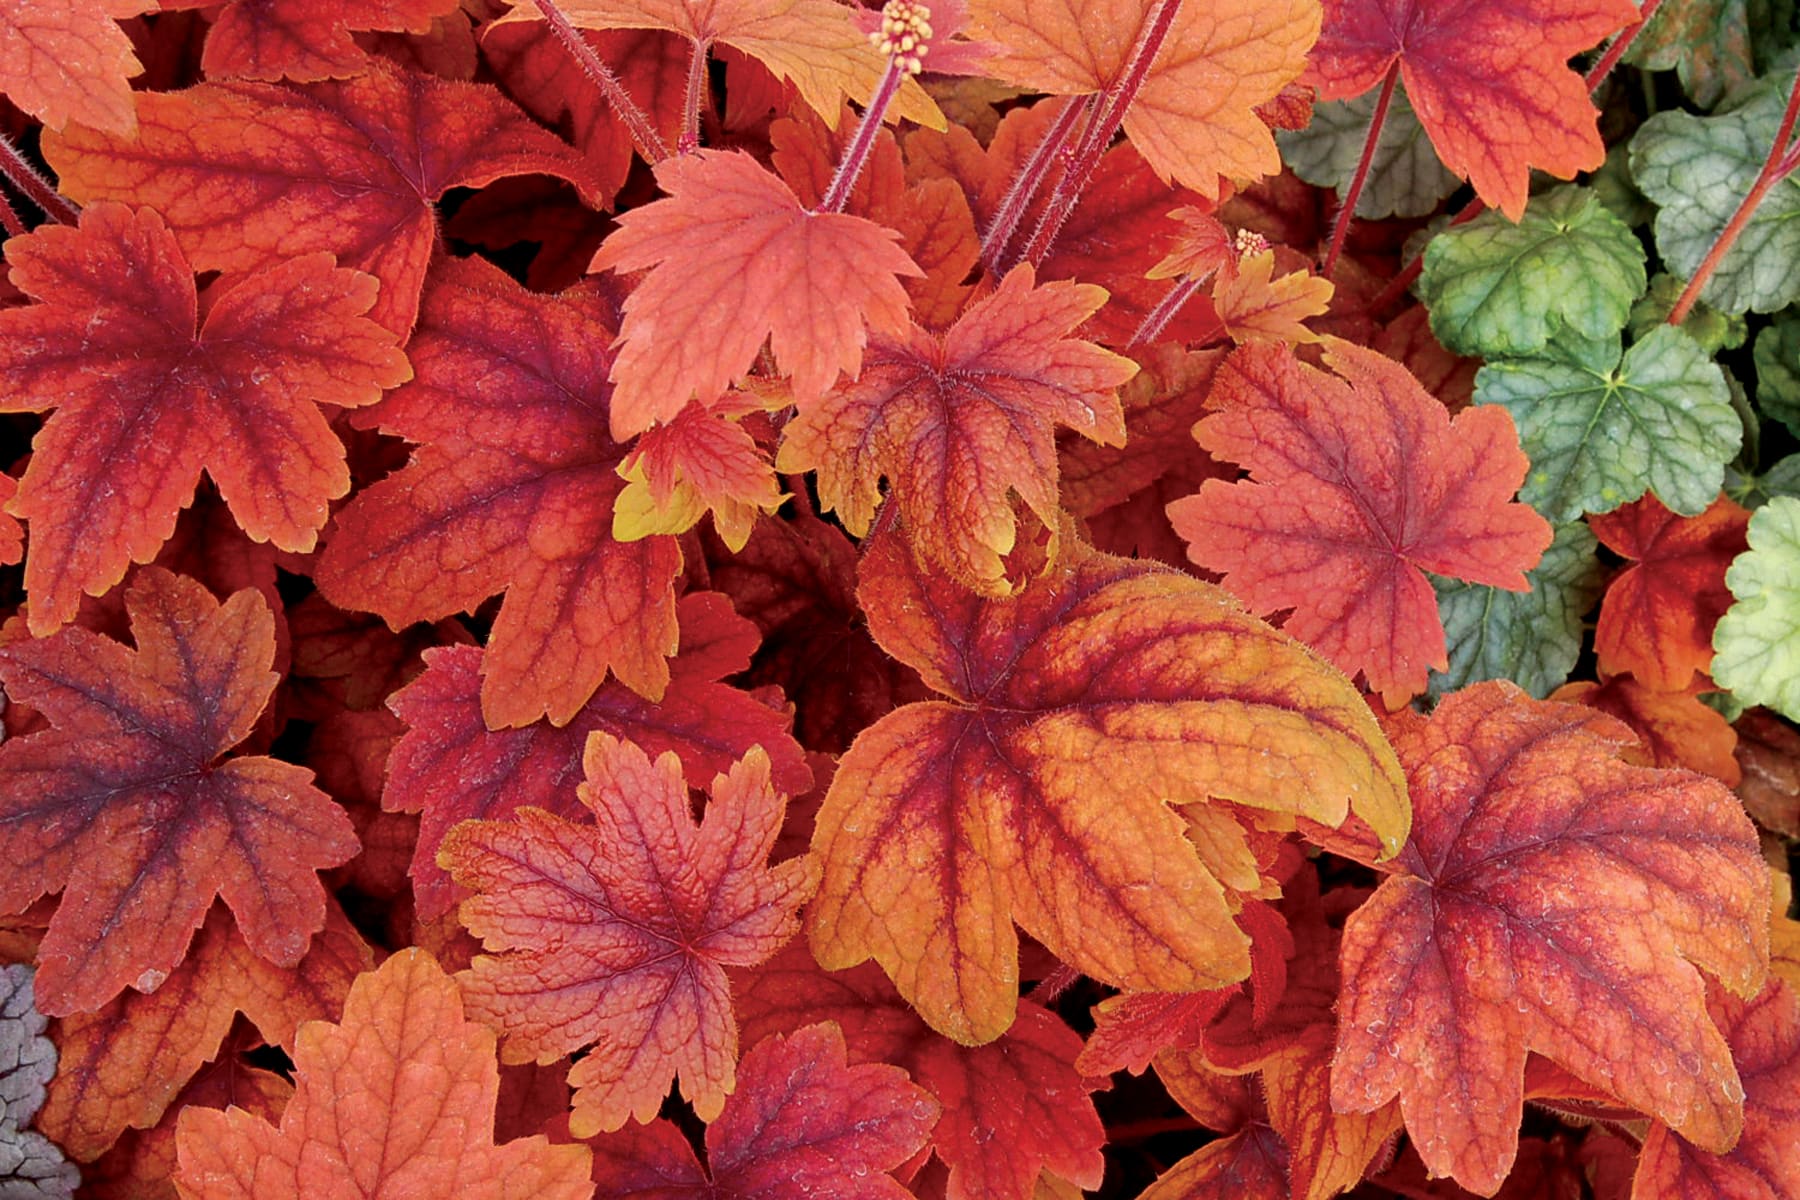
696,92
1151,327
1780,163
856,154
9,219
1114,103
643,134
39,190
1596,75
1030,177
1346,211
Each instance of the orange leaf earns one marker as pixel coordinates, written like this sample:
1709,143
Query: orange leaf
1037,791
1253,307
396,1100
1675,728
251,174
1194,117
511,489
1657,618
68,60
961,420
615,935
302,40
149,391
1360,483
734,258
1489,80
1552,899
126,805
705,460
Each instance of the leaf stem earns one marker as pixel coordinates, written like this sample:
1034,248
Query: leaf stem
39,190
643,133
1778,165
1340,228
9,218
856,154
1115,100
696,93
1030,177
1151,327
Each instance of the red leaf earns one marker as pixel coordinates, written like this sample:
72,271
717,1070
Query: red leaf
452,767
1489,80
1359,484
615,935
1552,899
397,1100
303,40
126,805
511,489
70,61
148,392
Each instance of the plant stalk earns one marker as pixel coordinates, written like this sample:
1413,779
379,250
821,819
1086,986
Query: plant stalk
862,144
1340,228
643,134
1030,177
696,95
39,190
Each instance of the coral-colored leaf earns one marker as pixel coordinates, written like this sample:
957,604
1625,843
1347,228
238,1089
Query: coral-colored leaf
68,60
148,392
734,258
1657,618
396,1100
1253,307
1489,80
249,174
961,420
1552,899
126,805
1675,729
512,488
1037,791
804,1121
705,460
1194,116
1359,484
615,935
303,40
1251,1163
451,767
1011,1109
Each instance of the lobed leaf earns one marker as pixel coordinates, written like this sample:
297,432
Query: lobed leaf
1405,177
70,61
1754,641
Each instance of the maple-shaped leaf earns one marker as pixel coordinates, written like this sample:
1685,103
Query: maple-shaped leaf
126,805
251,174
1489,80
69,61
804,1121
615,935
1405,177
703,461
1193,118
1037,790
1602,429
1764,1034
1707,43
148,392
510,489
1255,305
122,1063
1674,728
1012,1109
451,766
733,259
1359,483
31,1165
813,44
1499,288
961,420
1754,642
1250,1161
1553,899
302,40
1658,615
395,1100
1533,637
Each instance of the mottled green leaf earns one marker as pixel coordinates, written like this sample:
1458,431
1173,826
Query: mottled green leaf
1705,42
1496,289
1532,638
1406,177
1714,330
1699,169
1754,491
1756,646
1777,358
1601,430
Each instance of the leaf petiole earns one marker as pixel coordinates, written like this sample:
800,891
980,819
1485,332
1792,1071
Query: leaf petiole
643,134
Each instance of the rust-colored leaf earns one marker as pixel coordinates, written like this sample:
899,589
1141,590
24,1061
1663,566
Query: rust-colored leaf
128,805
148,391
1768,753
1674,728
615,935
68,60
303,40
1552,899
705,460
1360,482
1037,790
395,1100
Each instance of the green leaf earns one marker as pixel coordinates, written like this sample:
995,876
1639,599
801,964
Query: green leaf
1600,431
1777,359
1406,177
1497,289
1706,43
1532,638
1756,645
1714,330
1699,169
1754,491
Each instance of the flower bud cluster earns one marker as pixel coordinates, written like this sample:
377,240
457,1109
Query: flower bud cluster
905,34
